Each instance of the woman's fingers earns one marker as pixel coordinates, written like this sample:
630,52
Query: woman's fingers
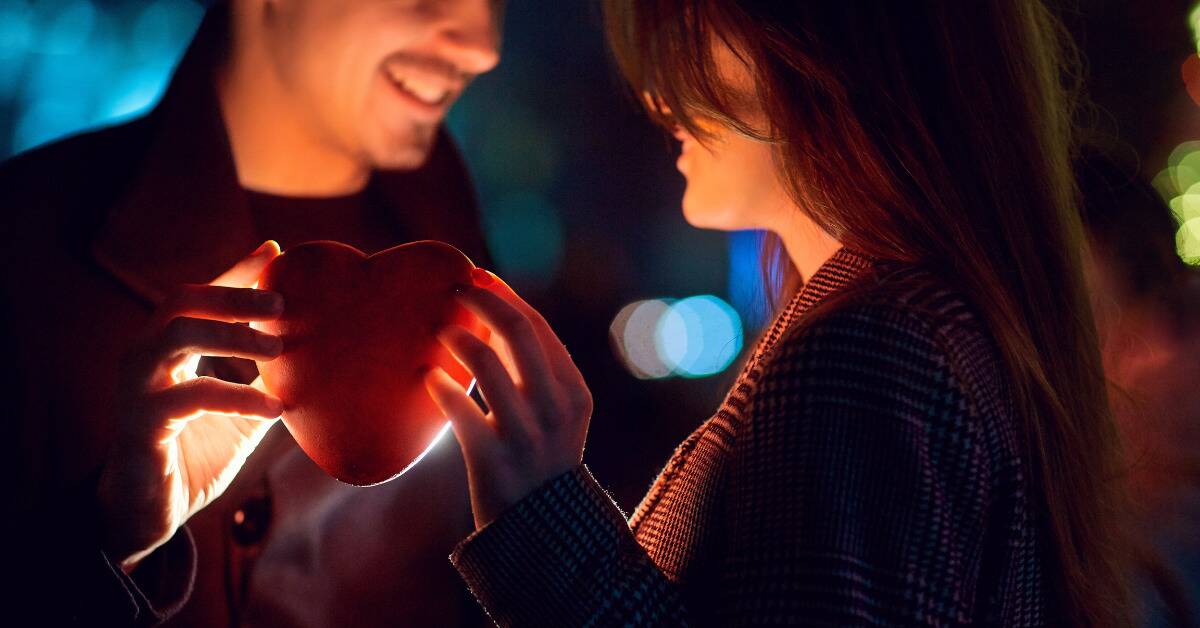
232,305
509,409
472,428
245,273
520,337
554,348
555,351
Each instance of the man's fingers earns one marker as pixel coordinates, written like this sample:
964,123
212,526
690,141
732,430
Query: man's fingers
211,395
471,426
245,273
184,336
232,305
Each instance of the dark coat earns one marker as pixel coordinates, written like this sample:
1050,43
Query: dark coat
95,230
867,468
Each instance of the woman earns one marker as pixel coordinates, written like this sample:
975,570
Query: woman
922,436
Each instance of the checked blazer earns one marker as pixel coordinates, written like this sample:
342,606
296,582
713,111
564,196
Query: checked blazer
866,469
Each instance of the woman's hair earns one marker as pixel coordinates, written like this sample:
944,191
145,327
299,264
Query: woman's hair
936,133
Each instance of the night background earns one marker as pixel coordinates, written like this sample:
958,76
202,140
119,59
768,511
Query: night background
580,192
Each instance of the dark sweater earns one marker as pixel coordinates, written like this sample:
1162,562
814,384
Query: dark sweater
866,468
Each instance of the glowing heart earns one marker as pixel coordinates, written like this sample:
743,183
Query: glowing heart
358,334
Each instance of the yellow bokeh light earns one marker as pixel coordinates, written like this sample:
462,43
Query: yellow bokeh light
1194,23
1186,207
1187,241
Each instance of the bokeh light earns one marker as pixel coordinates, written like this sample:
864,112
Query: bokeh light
70,65
525,236
693,337
633,336
699,336
1194,24
1179,186
747,293
1187,241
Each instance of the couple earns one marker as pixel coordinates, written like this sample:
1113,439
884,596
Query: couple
921,436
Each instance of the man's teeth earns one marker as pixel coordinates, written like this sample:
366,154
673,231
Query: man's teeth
426,92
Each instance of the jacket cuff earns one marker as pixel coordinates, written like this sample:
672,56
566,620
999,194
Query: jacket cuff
537,563
73,581
162,583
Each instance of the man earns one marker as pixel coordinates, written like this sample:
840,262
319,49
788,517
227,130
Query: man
290,120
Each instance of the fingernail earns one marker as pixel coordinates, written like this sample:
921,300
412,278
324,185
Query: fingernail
481,277
275,406
262,248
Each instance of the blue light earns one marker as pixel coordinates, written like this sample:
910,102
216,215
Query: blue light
746,290
17,32
72,65
676,338
525,234
69,28
699,336
17,29
135,93
47,120
161,28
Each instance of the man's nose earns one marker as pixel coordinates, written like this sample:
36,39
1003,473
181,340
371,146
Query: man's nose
469,34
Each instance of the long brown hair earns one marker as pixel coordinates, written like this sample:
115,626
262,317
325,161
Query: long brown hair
937,133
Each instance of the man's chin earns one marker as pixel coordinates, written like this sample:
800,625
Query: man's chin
402,153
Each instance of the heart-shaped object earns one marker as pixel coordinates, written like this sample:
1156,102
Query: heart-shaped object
358,335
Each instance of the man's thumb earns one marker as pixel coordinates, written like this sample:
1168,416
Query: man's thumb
245,273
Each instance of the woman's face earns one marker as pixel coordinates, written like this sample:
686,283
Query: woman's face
731,179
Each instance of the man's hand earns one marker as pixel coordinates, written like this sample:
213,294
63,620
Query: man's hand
181,439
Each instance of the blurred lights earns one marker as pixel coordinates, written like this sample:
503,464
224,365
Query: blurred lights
1179,186
68,30
70,65
693,337
1187,241
745,279
525,235
16,28
1194,23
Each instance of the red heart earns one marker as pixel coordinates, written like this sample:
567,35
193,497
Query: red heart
358,334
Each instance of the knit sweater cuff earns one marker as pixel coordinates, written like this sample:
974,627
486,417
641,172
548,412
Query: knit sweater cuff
538,560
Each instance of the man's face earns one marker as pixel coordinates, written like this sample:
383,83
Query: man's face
376,77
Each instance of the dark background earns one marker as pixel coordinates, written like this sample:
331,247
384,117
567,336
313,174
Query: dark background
579,191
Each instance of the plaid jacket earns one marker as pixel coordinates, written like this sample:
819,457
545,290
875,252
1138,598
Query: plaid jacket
866,468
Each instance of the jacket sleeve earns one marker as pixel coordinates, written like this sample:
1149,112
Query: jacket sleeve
69,580
61,576
853,498
565,556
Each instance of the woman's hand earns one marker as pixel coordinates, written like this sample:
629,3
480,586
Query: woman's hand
539,404
180,439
